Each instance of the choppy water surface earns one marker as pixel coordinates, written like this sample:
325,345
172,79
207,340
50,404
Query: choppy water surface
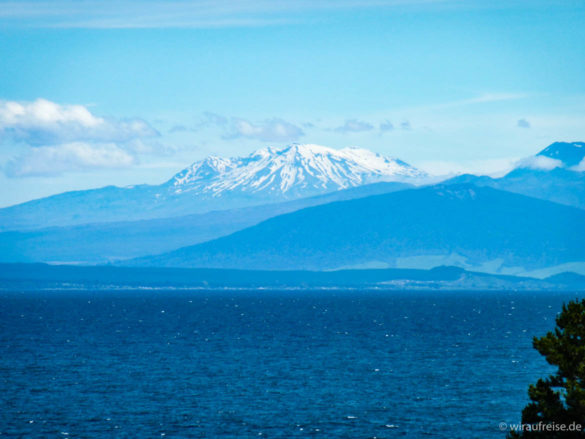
268,364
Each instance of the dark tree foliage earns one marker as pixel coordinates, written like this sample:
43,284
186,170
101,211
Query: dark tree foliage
560,398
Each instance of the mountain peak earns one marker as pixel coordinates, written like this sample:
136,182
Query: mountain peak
294,171
569,154
210,167
301,149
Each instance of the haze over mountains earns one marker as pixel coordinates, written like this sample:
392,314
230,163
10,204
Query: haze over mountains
557,173
313,207
113,241
268,175
467,225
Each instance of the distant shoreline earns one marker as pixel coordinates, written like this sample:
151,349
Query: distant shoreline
43,277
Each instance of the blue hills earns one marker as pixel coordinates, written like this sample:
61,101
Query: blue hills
553,174
474,225
307,207
113,241
269,175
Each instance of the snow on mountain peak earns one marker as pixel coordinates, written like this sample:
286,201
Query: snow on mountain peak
293,171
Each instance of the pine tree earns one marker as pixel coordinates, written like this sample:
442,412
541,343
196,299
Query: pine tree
560,398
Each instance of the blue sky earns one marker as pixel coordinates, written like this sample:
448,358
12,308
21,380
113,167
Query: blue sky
96,93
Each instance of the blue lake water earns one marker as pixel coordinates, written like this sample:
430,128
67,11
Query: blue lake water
268,364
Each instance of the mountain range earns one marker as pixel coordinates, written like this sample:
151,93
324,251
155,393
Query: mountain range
308,207
113,241
477,227
269,175
557,173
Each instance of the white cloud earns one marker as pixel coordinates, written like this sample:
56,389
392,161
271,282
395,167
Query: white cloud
580,167
354,126
539,162
62,138
270,130
42,111
43,122
58,159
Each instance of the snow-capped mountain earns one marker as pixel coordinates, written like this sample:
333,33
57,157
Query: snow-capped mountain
269,175
291,172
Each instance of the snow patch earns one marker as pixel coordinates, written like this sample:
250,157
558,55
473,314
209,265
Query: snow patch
297,170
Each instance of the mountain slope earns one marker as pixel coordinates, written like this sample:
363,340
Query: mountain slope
292,172
472,224
107,242
569,154
558,178
267,176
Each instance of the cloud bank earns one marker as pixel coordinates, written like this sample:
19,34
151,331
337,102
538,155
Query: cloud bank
77,156
270,130
354,126
539,162
43,122
63,138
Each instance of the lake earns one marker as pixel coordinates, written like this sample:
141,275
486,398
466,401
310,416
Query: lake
238,364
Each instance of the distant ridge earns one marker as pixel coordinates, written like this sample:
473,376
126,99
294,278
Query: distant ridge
269,175
472,225
24,277
557,173
114,241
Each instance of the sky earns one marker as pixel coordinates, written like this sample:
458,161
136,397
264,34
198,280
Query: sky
95,93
